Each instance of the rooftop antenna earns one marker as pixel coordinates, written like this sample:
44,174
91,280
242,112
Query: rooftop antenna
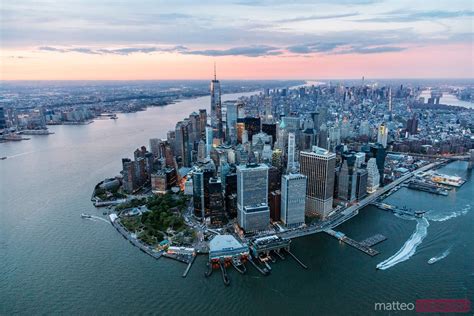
215,78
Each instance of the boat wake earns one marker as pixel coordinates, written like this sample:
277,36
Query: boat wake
441,256
409,248
442,217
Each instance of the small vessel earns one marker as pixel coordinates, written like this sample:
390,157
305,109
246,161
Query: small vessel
432,260
3,158
86,215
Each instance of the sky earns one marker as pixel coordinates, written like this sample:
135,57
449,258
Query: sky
261,39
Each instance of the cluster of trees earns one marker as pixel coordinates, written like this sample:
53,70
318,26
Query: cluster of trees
164,213
102,194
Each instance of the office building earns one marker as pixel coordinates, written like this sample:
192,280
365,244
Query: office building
373,176
347,179
291,152
318,166
216,201
216,108
155,147
293,199
252,197
382,135
361,187
3,123
231,122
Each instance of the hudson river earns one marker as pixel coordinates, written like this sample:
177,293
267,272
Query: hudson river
54,262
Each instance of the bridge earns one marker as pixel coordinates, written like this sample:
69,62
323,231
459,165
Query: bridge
466,157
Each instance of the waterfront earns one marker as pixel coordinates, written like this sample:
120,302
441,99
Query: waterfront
448,99
55,262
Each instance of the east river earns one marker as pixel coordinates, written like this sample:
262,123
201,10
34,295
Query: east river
54,262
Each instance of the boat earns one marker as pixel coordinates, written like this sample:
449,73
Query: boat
86,215
432,260
454,181
3,158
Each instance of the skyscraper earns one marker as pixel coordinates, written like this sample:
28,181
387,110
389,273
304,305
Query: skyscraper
202,122
252,197
293,199
155,147
3,123
379,153
231,122
382,135
216,107
390,100
319,166
347,180
373,176
412,125
291,152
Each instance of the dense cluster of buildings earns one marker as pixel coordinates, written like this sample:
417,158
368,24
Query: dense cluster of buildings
283,155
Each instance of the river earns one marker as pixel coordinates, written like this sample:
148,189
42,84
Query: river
448,99
54,262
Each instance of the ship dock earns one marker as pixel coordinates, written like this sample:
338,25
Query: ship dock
364,246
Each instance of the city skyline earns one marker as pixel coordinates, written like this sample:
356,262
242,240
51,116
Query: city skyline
247,39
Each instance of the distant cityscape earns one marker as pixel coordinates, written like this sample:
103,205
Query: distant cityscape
240,182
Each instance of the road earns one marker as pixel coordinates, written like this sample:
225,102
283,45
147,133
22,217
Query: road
343,216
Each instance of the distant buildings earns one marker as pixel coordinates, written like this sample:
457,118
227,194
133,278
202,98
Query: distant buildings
252,197
318,165
3,123
412,125
293,199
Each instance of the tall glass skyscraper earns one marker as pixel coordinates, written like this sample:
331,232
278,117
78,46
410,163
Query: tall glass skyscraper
293,199
252,197
216,107
318,165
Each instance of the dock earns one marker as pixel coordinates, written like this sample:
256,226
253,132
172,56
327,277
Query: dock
372,241
351,242
296,259
189,267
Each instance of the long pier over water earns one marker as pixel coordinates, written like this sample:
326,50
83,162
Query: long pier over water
362,246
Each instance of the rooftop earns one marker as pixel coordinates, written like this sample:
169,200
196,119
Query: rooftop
224,242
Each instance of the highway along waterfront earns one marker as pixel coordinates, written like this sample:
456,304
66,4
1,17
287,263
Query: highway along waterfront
54,262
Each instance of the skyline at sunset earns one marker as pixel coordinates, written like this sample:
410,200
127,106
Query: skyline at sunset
263,39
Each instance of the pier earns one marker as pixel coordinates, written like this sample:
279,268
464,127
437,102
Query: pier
374,240
358,245
262,271
189,266
296,259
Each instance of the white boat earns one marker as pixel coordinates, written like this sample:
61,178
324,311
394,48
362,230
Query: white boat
86,215
432,260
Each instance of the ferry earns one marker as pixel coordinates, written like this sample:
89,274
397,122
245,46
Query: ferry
83,215
454,181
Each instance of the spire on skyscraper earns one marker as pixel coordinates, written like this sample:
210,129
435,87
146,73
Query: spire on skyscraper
215,76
